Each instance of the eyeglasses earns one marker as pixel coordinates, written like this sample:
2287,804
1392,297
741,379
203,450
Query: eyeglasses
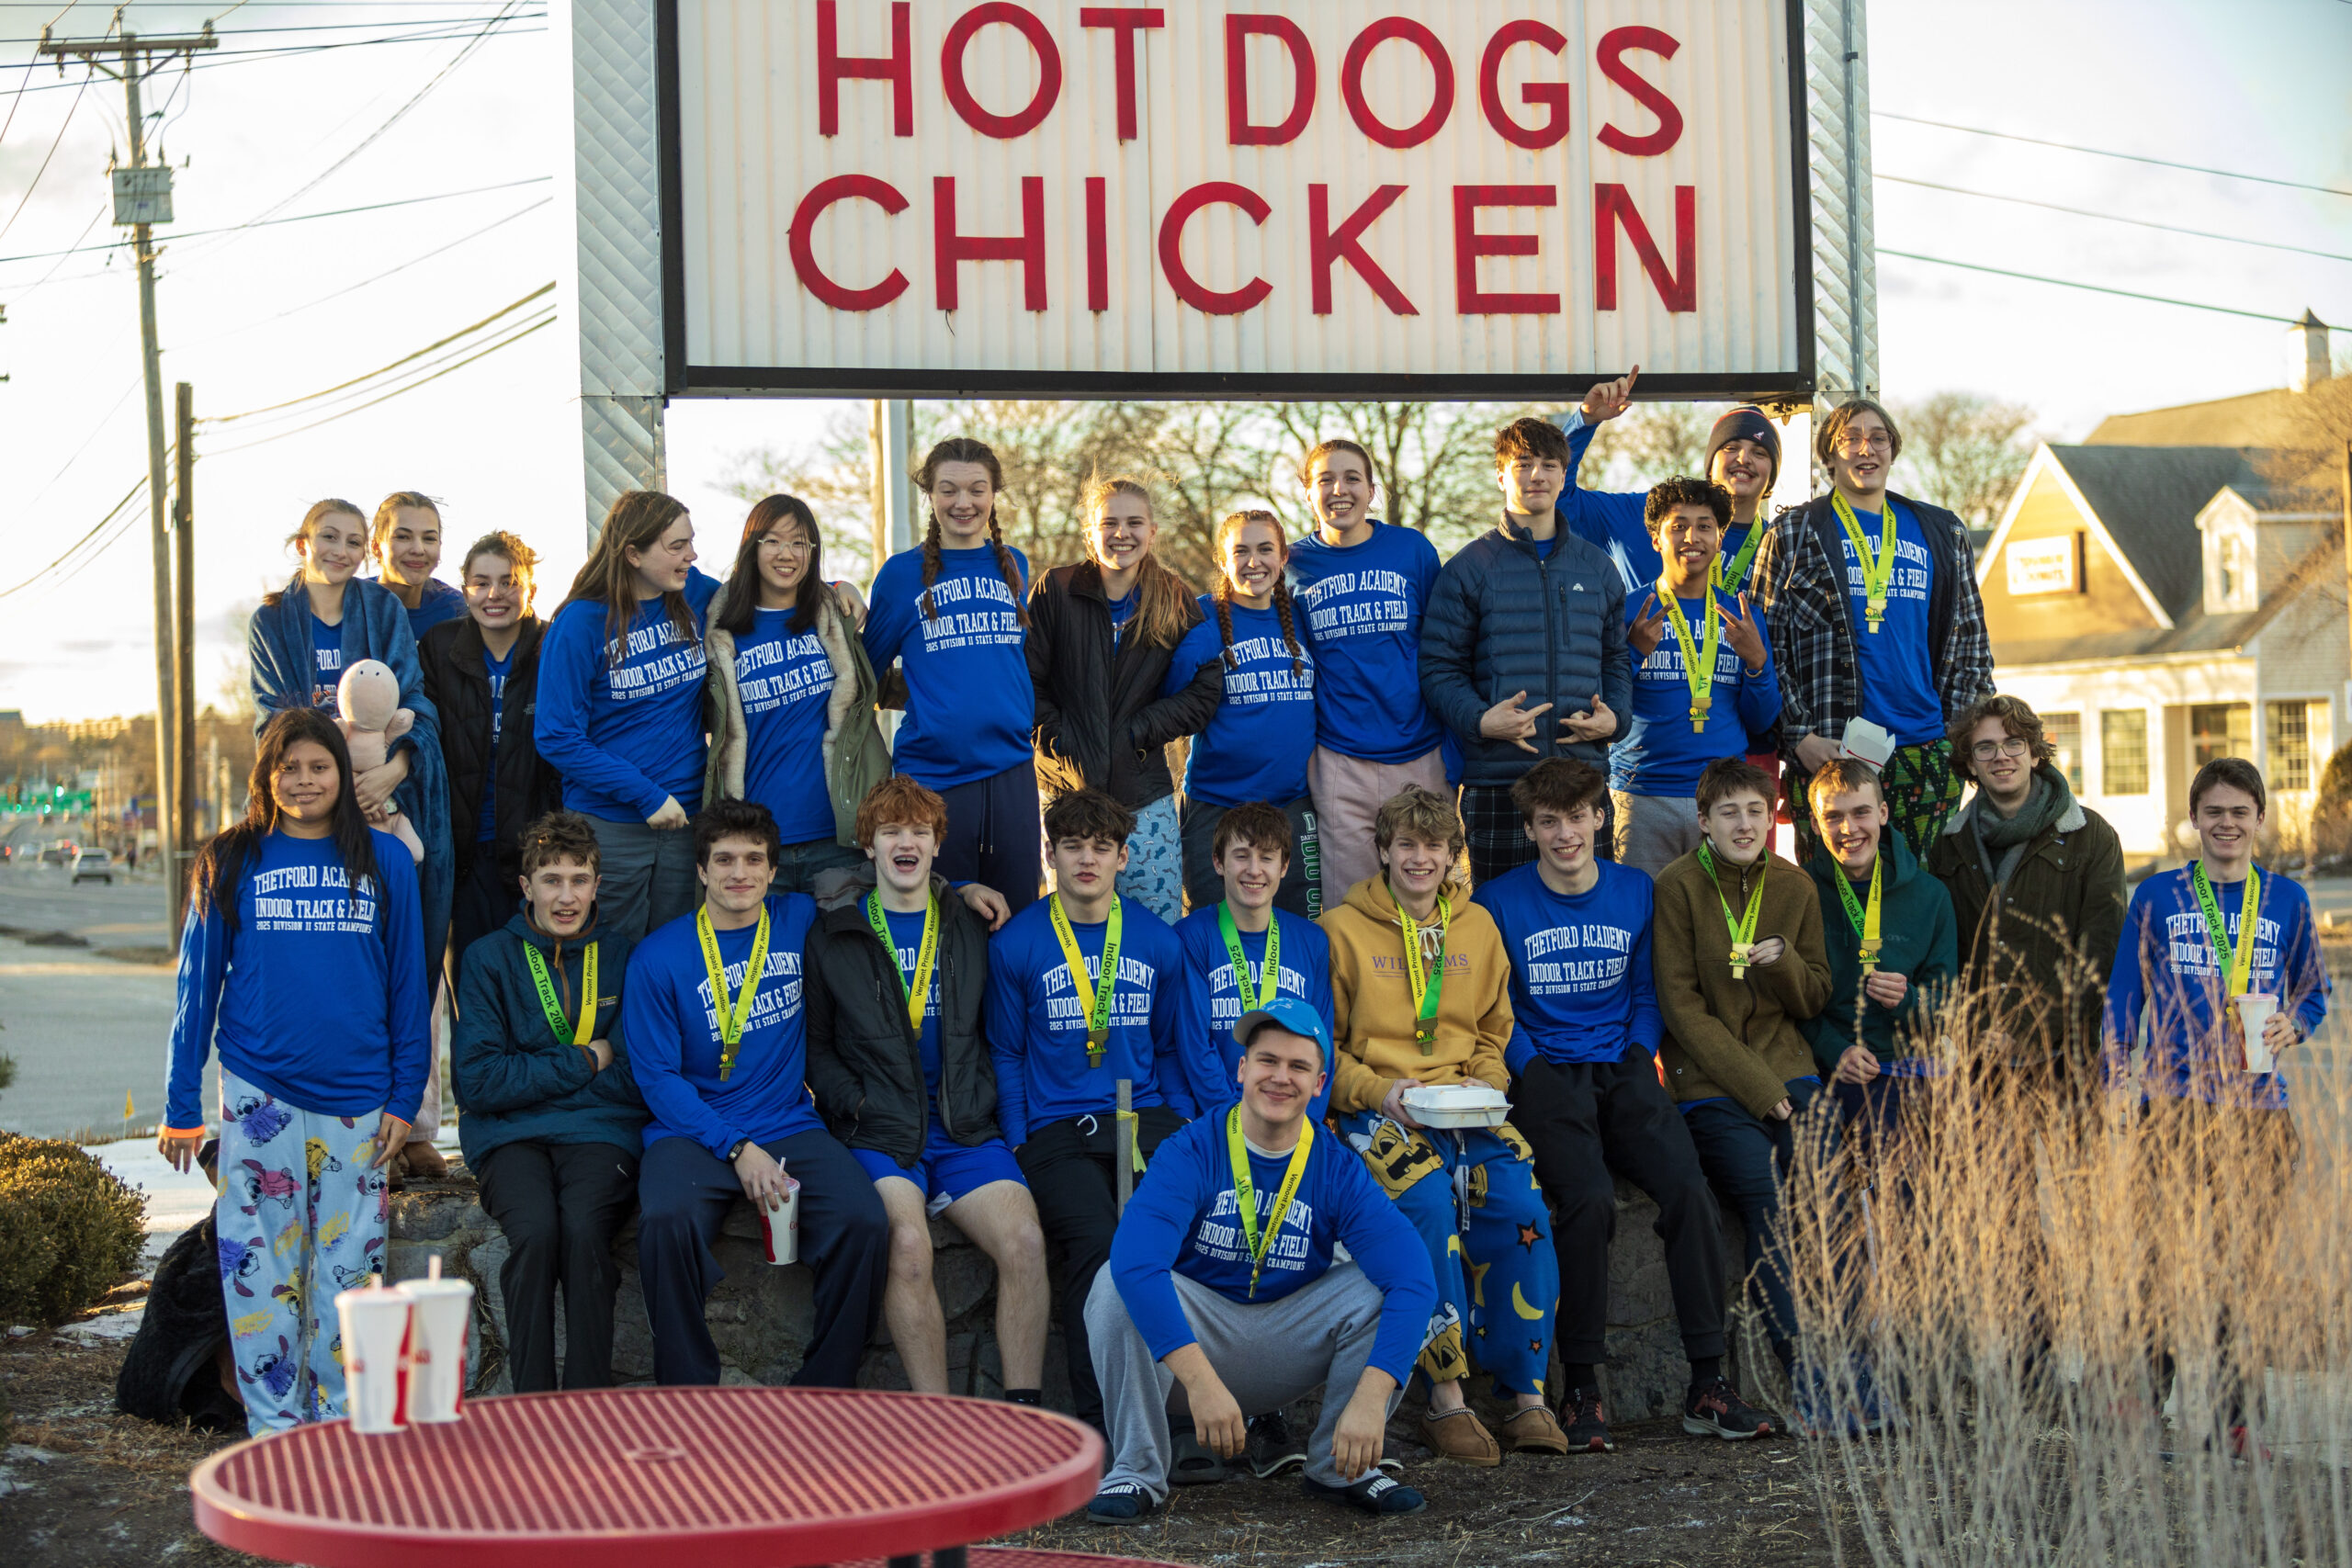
1985,751
1865,440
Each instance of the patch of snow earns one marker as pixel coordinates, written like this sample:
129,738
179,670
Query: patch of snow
175,1200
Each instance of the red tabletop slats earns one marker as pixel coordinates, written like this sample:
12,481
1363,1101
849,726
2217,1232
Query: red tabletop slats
704,1477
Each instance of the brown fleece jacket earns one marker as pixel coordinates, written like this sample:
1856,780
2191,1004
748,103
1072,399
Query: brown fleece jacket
1372,1000
1736,1037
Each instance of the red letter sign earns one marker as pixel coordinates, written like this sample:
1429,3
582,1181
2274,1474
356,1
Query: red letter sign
1326,245
1238,128
841,187
1028,247
1125,22
898,68
1678,289
1553,94
1612,55
1003,127
1351,82
1189,289
1469,245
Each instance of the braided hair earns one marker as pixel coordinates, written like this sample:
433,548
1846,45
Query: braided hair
1227,532
964,449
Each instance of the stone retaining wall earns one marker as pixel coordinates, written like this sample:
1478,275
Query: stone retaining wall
760,1315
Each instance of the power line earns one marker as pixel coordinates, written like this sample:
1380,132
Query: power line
64,126
2117,217
226,57
507,342
298,218
505,310
326,27
112,513
2093,287
2104,152
370,386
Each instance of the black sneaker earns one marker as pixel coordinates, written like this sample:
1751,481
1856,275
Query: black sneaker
1192,1464
1586,1426
1715,1409
1271,1448
1122,1503
1376,1493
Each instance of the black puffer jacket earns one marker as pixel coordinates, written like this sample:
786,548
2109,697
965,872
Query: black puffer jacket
1101,719
865,1065
529,786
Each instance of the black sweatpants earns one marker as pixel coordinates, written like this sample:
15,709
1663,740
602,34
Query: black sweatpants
685,1190
559,1205
1076,1183
993,837
481,902
1301,892
1586,1121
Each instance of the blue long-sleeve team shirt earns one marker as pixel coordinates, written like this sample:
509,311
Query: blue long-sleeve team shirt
1660,755
316,995
671,1024
971,709
2165,992
1897,674
1260,738
625,736
1210,1002
1037,1033
785,682
1616,522
1580,984
1182,1220
1362,607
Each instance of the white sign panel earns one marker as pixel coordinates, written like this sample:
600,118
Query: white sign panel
1401,198
2044,566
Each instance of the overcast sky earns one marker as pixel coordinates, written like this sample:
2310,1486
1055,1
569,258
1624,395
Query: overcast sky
2249,85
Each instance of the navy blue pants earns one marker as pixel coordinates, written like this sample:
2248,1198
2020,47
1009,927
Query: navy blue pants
993,837
1748,1158
683,1193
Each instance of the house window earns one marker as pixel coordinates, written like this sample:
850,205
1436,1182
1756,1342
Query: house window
2123,750
2064,733
2219,729
2230,563
2288,735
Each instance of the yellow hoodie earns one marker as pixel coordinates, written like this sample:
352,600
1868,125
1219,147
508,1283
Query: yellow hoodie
1372,1000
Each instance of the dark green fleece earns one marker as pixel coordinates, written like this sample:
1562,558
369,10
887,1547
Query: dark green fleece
1919,936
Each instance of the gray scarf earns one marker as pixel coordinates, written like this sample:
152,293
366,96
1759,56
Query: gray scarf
2008,836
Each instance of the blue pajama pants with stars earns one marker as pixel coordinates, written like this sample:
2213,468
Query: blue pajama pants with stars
1472,1196
301,1216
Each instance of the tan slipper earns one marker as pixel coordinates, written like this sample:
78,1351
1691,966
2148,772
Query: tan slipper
1534,1430
1459,1435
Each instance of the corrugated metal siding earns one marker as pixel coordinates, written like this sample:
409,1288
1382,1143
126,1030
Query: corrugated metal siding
749,107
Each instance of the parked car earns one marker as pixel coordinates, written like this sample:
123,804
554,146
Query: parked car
93,865
59,853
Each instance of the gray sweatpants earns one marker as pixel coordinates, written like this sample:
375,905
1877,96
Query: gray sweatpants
1267,1354
1655,831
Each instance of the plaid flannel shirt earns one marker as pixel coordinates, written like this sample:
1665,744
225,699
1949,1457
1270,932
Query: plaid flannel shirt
1800,581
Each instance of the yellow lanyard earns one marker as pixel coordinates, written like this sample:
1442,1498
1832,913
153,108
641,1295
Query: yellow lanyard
1427,981
1743,927
1878,568
1245,1192
1865,922
731,1018
1092,1000
1698,668
2235,959
918,988
586,1029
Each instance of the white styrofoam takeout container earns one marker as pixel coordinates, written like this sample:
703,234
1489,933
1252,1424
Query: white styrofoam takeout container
1457,1105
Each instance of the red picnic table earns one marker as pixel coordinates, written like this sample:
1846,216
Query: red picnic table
641,1477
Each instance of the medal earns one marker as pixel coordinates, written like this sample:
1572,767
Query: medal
1864,921
1698,656
1093,1000
1426,977
731,1018
1743,927
2235,960
1878,566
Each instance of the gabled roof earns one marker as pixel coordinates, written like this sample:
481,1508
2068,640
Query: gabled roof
2147,499
2270,418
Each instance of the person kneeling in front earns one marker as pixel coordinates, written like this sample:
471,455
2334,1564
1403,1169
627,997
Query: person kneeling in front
1222,1279
713,1014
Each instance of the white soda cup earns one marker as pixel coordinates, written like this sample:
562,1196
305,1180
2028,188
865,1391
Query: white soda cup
780,1225
375,1356
441,1318
2255,1009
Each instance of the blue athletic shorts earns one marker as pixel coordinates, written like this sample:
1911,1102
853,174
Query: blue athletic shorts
946,1171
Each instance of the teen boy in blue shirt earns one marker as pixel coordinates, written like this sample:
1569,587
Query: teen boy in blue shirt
1082,988
1222,1277
717,1033
1586,1095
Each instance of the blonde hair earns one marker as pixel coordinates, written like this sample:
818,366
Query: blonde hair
1421,812
1163,602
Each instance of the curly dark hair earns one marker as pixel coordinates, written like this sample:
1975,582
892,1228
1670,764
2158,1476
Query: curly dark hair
1684,490
2015,717
736,820
1087,814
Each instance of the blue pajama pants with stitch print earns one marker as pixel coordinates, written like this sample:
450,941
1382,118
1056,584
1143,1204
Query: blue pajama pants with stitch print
301,1216
1498,1279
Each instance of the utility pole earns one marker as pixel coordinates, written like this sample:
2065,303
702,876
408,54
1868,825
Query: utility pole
142,197
183,651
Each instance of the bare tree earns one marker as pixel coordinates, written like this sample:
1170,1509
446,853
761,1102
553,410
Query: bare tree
1965,451
1650,442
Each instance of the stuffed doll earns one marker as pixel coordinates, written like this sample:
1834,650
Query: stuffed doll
369,700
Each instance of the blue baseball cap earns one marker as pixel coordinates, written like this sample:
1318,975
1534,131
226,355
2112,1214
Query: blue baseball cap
1286,1012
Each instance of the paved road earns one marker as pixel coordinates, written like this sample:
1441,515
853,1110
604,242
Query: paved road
128,912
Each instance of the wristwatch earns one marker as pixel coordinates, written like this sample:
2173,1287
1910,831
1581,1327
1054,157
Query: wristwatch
735,1150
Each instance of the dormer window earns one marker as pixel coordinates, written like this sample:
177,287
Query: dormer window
2233,570
2230,585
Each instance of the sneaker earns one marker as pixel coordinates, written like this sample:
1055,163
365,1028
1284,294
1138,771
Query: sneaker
1534,1430
1459,1435
1586,1423
1376,1493
1122,1503
1272,1449
1715,1409
1193,1465
1817,1415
